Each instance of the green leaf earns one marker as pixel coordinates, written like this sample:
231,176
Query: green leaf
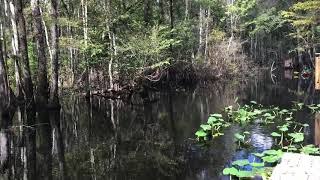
267,115
275,134
283,128
216,115
201,133
230,171
239,137
212,120
257,164
241,162
270,159
270,152
253,102
243,174
310,149
258,154
297,137
205,127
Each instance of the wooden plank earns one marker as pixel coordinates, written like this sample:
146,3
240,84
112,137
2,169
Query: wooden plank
297,167
317,129
317,71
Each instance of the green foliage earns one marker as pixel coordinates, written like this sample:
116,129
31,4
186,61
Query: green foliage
240,163
304,17
310,149
217,35
275,134
242,8
266,22
297,137
142,50
270,156
32,60
241,138
213,128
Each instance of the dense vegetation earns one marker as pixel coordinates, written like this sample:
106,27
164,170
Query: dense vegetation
114,45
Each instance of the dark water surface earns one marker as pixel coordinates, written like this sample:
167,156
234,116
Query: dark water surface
111,139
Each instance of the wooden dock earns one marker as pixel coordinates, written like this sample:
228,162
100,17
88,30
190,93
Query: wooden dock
297,167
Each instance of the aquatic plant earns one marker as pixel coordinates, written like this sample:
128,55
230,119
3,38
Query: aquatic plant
310,149
213,128
241,138
287,133
257,169
314,107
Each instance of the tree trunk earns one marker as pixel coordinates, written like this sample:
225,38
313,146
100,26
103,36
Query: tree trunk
42,88
84,6
161,11
300,61
54,97
200,48
46,32
147,8
15,50
207,33
110,38
4,86
186,16
23,46
171,23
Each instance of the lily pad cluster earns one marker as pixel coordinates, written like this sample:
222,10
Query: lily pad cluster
257,169
288,135
257,113
213,128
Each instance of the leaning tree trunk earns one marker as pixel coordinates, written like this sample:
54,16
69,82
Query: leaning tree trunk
55,53
42,87
23,47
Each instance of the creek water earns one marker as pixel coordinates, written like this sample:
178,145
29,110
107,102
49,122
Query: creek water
143,140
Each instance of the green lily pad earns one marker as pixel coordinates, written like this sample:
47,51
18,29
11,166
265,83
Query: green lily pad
241,162
275,134
205,127
201,133
230,171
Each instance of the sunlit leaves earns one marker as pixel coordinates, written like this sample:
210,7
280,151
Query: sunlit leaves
304,16
310,149
213,128
297,137
275,134
230,171
201,133
270,156
205,127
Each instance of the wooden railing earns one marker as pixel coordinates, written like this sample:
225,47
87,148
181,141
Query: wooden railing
317,71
